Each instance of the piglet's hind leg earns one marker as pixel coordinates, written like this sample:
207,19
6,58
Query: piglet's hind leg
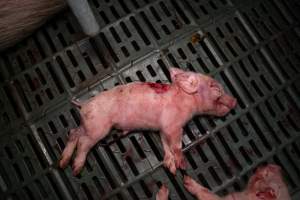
83,146
79,140
83,139
71,145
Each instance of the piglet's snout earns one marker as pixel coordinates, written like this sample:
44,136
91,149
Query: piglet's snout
227,101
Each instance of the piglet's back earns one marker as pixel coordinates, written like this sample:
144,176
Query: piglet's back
139,105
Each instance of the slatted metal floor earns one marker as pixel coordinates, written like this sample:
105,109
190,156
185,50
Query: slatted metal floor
252,47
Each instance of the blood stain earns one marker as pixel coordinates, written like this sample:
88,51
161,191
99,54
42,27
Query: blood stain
159,87
268,193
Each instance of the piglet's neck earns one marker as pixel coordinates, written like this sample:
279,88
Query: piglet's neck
187,101
199,104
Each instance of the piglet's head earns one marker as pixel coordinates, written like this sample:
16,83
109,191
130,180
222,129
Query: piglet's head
209,94
267,183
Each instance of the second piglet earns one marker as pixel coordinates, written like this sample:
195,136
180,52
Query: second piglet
148,106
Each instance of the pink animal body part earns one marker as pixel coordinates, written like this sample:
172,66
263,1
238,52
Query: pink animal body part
163,193
159,87
265,184
151,106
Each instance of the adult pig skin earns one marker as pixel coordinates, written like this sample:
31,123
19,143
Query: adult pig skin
19,18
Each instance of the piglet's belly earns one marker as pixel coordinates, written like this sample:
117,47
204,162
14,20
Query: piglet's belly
137,119
138,124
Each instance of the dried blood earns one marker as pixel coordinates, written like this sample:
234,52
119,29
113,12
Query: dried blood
159,87
267,194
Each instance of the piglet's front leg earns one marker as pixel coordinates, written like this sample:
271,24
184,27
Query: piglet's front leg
169,161
198,191
172,141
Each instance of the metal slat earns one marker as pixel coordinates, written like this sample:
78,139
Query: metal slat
250,47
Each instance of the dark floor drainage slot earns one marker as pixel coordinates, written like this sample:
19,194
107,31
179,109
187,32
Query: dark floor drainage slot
65,72
132,193
90,64
41,188
203,181
98,185
215,175
86,191
72,58
18,172
138,147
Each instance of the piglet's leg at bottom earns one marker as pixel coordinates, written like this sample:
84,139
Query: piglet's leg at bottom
66,156
82,139
163,193
198,191
77,139
168,157
174,138
83,147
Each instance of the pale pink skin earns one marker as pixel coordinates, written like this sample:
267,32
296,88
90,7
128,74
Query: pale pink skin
139,106
265,184
163,193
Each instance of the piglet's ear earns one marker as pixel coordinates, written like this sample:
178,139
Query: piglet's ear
175,71
188,82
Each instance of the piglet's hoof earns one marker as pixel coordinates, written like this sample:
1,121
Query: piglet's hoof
80,142
190,185
163,193
180,161
169,163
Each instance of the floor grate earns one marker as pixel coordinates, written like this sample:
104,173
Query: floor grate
251,47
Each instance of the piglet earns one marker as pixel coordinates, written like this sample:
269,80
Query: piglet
151,106
266,184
